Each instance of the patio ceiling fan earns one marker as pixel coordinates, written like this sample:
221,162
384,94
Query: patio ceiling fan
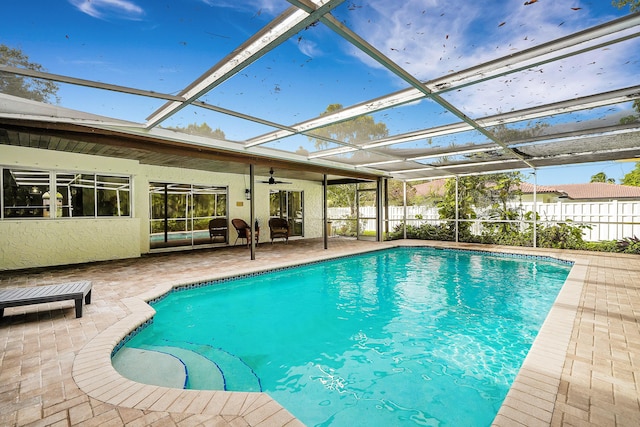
272,180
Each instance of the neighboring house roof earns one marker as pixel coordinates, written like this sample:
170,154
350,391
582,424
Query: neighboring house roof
588,191
433,188
527,188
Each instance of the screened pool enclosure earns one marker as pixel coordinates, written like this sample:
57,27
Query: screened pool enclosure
324,91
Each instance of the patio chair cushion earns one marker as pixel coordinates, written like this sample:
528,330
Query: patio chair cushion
279,228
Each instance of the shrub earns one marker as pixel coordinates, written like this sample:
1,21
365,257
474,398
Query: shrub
423,232
602,246
564,235
629,245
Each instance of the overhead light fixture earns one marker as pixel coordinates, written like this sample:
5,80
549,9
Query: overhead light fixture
34,190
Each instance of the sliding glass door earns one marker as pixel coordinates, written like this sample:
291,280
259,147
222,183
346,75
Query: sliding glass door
180,213
288,205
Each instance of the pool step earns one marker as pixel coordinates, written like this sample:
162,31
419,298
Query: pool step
134,363
202,373
186,365
237,375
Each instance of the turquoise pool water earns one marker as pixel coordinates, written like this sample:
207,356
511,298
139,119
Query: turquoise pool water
180,235
409,336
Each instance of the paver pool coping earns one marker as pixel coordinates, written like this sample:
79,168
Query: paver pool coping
530,400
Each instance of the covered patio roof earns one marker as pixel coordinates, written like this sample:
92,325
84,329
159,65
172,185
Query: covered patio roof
527,104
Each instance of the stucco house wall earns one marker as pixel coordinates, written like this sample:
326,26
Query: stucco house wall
540,198
27,243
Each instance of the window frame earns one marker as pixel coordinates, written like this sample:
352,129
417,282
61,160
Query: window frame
55,183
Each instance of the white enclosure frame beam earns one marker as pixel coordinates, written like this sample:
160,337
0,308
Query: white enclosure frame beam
274,34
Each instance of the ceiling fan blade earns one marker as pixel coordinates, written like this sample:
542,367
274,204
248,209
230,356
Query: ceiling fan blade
272,180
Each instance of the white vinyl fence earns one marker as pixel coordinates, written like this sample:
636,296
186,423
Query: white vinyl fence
608,220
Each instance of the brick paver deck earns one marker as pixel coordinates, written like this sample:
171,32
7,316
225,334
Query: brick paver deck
583,370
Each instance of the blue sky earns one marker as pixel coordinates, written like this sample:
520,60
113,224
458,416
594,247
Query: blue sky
163,46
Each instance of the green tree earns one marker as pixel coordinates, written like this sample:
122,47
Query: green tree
470,192
341,195
633,117
634,5
633,177
481,191
25,87
628,120
358,130
602,177
503,188
508,135
201,129
396,193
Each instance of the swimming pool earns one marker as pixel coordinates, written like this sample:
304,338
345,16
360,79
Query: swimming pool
180,235
410,336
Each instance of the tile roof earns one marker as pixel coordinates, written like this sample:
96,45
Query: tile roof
430,188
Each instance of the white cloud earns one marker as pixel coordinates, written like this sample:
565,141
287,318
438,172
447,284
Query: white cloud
308,48
104,9
268,7
595,72
434,38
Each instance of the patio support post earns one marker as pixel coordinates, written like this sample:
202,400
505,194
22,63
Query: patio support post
379,210
186,212
404,204
535,208
385,219
325,210
252,204
166,213
357,203
457,214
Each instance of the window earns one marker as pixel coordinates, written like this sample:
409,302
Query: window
23,192
112,195
28,194
80,197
